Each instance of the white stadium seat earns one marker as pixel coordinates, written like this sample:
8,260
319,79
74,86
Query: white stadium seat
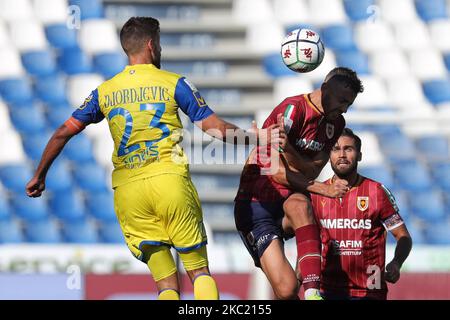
15,10
405,90
28,35
374,93
389,63
98,36
51,11
10,63
412,35
80,86
5,121
11,149
440,34
371,37
250,12
289,12
370,149
398,10
427,63
420,127
325,12
271,32
328,63
290,86
4,37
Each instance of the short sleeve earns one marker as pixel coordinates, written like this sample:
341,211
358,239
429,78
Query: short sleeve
389,212
293,116
190,101
89,111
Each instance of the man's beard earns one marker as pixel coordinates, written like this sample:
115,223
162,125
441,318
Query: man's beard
346,172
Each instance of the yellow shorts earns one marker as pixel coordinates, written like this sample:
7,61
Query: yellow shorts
160,210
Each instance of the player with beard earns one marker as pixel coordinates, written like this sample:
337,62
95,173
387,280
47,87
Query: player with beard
353,229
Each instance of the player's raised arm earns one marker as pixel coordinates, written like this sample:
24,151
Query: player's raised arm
87,113
300,183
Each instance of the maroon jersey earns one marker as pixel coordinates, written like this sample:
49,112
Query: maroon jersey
307,130
353,232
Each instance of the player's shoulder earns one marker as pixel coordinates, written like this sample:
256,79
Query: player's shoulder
377,185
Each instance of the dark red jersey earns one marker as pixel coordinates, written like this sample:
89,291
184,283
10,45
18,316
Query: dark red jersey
353,232
308,131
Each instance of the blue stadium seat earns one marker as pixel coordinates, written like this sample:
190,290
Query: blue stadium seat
58,115
275,67
5,209
447,61
61,37
28,120
417,234
357,9
401,199
30,209
39,63
101,206
68,206
110,232
338,37
397,147
89,8
45,231
441,174
16,90
109,64
51,89
74,60
431,9
433,147
10,232
293,27
412,176
437,91
353,59
379,173
79,148
385,130
91,177
80,232
59,178
34,144
438,233
428,205
15,177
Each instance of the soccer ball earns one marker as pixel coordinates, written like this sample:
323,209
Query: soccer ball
302,50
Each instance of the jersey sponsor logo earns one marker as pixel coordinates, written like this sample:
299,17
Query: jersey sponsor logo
86,101
346,223
347,247
362,203
329,130
310,144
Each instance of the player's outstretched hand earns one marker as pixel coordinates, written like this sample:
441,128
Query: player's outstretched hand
338,188
392,273
35,187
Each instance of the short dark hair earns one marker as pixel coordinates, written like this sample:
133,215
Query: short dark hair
347,132
347,75
136,32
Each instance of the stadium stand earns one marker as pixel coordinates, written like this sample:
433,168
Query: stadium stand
48,68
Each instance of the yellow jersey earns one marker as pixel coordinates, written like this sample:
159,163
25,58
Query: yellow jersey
141,106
